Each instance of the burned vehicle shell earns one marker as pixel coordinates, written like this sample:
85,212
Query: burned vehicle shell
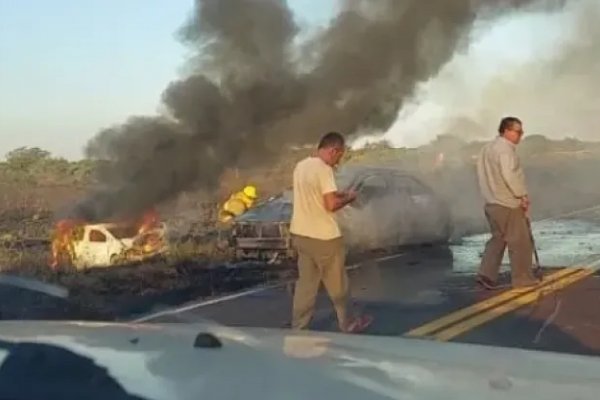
392,209
263,231
108,244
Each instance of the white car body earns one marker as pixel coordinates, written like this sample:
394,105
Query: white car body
159,361
93,253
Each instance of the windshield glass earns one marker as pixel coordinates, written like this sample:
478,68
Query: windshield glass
442,155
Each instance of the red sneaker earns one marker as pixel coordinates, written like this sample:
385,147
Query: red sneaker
359,324
486,282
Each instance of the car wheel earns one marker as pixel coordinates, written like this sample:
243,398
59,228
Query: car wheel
115,259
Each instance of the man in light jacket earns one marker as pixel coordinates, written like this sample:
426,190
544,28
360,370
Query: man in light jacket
502,184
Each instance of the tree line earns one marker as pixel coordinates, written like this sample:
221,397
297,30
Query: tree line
37,166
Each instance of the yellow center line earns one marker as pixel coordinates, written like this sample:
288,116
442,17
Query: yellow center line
485,305
528,298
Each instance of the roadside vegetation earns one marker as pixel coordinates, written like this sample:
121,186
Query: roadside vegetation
36,185
34,166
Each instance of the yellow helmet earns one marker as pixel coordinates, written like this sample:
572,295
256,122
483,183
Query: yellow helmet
250,191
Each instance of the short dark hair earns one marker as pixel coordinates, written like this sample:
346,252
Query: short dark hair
332,139
507,123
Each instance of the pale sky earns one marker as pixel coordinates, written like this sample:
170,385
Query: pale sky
71,67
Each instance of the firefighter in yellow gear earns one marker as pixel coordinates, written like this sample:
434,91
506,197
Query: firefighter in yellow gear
238,203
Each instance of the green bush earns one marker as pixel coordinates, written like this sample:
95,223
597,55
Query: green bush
36,166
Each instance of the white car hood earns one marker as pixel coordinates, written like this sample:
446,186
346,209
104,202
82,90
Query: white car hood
160,362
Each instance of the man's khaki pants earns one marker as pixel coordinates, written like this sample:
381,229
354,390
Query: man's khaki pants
319,260
509,229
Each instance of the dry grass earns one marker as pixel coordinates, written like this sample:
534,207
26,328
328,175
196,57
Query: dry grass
206,249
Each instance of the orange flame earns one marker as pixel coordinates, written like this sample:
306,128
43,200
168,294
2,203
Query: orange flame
148,221
62,245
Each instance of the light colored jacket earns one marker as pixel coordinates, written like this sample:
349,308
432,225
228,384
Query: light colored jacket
501,178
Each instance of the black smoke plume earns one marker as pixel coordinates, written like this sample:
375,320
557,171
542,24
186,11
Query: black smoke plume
253,89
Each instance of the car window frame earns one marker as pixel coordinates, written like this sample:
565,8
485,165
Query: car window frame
92,230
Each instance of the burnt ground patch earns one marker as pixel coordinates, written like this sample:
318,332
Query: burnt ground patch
111,294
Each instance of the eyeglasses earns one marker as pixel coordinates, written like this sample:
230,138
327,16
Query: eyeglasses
519,131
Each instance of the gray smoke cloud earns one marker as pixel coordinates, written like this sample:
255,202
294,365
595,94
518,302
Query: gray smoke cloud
251,90
540,63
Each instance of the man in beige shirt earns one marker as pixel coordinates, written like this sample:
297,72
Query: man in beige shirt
317,236
502,185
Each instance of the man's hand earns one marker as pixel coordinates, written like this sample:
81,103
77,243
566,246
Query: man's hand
336,200
350,196
525,204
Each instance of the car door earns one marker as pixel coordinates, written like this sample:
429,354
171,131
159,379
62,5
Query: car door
95,249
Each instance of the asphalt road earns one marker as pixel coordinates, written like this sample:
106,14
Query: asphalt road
430,293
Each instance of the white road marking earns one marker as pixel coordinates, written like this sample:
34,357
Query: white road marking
204,303
570,213
34,284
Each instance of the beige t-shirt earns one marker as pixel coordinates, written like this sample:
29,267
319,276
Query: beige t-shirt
312,179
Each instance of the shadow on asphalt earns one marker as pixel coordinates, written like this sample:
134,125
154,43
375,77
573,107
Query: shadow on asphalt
522,332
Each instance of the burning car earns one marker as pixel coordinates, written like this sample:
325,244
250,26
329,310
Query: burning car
392,209
84,245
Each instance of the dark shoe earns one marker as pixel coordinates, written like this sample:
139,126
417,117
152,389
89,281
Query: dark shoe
359,324
486,282
538,274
